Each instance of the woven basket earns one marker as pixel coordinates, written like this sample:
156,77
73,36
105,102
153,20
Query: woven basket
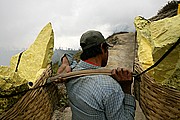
35,104
157,102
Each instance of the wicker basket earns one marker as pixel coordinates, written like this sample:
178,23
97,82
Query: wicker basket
156,101
35,104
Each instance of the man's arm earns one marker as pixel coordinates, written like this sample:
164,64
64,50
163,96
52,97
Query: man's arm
124,78
121,104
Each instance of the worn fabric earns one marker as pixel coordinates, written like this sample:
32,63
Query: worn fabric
98,97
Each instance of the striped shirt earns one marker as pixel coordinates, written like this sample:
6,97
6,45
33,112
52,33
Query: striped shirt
98,97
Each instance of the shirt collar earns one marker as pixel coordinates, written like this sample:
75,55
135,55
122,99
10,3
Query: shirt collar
87,65
91,62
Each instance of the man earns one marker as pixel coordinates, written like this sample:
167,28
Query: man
99,97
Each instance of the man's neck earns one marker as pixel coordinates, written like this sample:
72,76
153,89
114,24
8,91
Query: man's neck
94,61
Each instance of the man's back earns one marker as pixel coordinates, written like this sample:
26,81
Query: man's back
97,97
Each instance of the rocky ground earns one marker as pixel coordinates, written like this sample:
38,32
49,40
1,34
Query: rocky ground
121,55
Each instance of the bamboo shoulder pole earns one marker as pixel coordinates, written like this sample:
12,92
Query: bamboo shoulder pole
63,77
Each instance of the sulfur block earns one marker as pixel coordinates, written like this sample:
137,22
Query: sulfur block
5,70
37,56
32,63
10,82
154,39
9,78
145,45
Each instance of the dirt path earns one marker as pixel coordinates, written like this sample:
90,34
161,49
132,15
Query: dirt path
122,55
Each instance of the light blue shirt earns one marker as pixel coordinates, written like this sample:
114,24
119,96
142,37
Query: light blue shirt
98,97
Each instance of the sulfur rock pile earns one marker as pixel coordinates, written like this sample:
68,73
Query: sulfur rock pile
25,67
154,39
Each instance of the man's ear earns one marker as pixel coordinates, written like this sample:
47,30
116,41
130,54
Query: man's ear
102,48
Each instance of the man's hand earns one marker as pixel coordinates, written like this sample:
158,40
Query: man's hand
65,67
124,78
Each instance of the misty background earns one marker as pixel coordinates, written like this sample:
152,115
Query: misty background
22,20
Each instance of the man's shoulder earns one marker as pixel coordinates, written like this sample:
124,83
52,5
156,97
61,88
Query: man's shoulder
106,79
106,83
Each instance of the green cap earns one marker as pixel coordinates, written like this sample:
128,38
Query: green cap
92,38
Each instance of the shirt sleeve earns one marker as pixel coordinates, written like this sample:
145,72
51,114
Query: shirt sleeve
69,56
120,106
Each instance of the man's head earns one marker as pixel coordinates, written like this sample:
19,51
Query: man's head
94,44
92,38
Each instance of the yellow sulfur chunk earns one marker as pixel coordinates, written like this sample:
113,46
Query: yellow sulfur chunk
154,39
32,63
37,56
144,42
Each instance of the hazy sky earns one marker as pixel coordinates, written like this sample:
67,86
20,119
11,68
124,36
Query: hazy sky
22,20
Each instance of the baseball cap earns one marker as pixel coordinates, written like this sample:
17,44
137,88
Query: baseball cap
92,38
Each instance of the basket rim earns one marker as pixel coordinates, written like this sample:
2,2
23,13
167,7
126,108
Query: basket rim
151,80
